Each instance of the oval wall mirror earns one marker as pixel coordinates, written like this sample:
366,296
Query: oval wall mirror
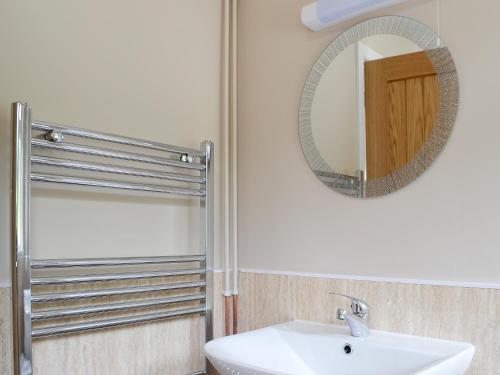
378,106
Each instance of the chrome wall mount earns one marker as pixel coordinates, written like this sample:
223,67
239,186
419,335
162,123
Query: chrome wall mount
179,171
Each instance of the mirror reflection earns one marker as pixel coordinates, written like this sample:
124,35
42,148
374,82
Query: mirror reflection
374,106
372,109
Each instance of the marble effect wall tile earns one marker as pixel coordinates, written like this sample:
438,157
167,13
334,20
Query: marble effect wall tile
170,347
5,332
464,314
218,314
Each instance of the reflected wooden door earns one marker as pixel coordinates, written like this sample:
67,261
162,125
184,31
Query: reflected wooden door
401,102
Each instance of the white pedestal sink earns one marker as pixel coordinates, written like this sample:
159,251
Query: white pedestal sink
308,348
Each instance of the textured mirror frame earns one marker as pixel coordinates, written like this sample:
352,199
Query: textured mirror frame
444,66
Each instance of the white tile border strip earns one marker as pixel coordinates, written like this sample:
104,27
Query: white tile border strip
8,284
460,284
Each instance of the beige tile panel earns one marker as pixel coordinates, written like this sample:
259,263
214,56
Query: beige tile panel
5,332
451,313
465,314
218,317
169,347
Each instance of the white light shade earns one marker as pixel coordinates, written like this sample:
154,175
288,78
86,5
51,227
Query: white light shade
325,13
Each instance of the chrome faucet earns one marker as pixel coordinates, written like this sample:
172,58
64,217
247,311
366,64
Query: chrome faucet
358,319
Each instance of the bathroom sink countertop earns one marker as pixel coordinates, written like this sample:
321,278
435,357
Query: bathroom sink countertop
309,348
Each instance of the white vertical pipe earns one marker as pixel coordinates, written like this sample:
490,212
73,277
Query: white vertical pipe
234,142
225,124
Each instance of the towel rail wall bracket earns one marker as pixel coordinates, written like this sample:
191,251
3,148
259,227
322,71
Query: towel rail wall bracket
177,171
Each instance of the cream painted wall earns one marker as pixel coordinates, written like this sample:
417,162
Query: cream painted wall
142,69
444,226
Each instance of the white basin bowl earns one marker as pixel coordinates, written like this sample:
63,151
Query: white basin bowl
308,348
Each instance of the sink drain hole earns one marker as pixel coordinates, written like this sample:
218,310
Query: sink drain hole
348,349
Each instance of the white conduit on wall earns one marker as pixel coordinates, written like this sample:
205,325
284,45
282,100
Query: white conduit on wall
225,124
234,157
230,151
234,144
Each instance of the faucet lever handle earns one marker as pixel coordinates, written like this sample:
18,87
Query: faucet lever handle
358,306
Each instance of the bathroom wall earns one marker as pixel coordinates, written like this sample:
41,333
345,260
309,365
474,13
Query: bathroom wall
450,313
149,70
157,348
142,69
426,257
290,221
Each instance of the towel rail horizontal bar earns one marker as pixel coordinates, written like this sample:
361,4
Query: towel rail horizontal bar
116,185
116,154
108,323
108,168
62,313
99,136
81,294
52,280
109,262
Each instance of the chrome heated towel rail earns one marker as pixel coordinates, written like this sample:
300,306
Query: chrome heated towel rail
178,171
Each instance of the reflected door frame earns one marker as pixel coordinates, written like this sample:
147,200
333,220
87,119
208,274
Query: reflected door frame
363,54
